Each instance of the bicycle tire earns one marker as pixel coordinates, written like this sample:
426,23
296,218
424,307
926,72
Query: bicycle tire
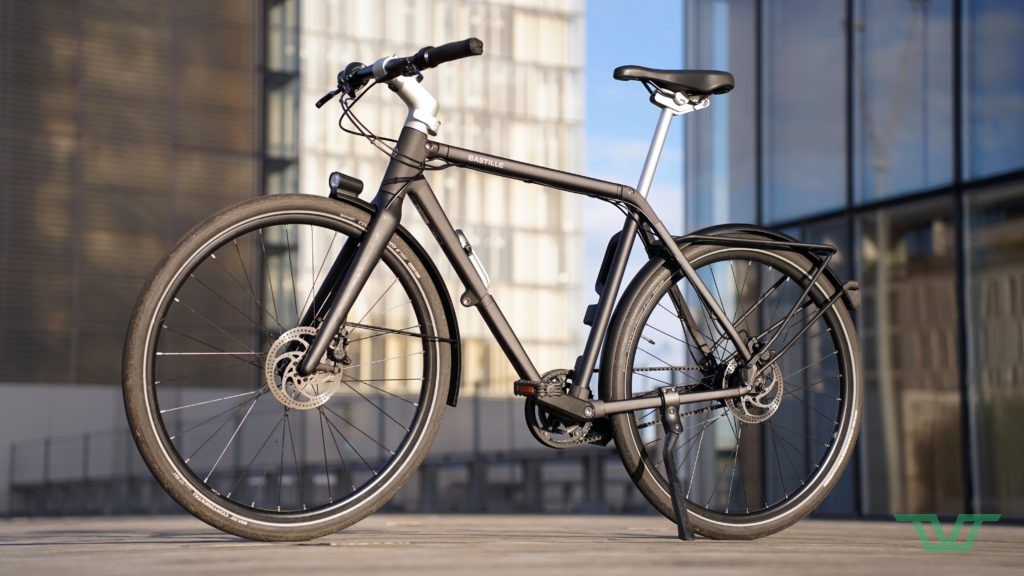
649,290
162,398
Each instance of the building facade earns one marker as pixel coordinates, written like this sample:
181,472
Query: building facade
893,129
123,124
522,99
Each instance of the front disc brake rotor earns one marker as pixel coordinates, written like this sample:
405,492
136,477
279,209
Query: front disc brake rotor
281,370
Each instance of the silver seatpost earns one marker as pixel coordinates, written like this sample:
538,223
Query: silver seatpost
671,105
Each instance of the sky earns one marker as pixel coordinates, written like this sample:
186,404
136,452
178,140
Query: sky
620,119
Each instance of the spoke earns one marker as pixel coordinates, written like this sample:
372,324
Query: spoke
212,354
209,401
776,434
258,325
192,374
814,363
778,465
210,419
230,440
295,458
696,456
377,301
291,270
350,445
210,322
252,291
382,360
387,331
219,428
266,469
312,254
384,313
270,279
809,387
676,315
217,351
802,435
721,472
358,429
255,456
239,282
327,471
745,464
365,382
785,453
819,412
334,441
374,404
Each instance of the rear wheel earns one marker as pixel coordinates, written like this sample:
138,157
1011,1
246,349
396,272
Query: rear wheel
753,465
217,408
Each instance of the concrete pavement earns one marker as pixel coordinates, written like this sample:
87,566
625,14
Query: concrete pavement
491,546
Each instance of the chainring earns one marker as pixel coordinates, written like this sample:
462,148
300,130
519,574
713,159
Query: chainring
551,429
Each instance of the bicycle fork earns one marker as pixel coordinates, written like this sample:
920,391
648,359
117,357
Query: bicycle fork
354,265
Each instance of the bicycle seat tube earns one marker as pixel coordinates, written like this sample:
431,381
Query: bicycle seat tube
404,167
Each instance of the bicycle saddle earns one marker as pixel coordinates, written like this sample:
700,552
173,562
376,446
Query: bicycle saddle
689,82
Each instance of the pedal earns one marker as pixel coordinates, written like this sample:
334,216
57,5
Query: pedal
535,389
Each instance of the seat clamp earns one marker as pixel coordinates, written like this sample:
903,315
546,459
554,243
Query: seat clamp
678,103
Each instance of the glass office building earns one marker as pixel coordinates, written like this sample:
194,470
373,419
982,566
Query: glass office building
893,129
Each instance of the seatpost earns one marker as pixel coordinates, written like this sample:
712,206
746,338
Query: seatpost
643,187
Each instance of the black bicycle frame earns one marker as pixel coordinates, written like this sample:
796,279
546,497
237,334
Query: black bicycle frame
403,178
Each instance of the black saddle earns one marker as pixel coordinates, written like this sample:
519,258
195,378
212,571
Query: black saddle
690,82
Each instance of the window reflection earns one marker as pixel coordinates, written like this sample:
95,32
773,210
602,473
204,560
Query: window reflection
907,325
805,102
721,142
993,84
996,293
902,72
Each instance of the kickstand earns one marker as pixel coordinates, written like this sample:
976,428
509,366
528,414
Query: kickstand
673,426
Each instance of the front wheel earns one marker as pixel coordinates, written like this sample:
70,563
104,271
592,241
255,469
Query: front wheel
754,465
218,410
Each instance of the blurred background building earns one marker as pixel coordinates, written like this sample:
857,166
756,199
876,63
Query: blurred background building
891,128
123,124
895,130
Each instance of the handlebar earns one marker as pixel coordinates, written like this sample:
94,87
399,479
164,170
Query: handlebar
356,74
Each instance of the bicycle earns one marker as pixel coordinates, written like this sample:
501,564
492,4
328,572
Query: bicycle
275,329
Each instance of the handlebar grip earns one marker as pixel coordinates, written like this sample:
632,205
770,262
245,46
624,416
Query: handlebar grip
452,51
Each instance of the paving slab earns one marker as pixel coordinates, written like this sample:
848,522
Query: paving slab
490,546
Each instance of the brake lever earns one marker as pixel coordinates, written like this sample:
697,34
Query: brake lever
327,97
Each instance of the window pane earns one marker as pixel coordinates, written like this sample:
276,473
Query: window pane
993,87
843,498
805,103
720,141
996,292
903,68
908,319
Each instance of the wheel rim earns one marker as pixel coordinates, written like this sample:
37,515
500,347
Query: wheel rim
211,407
735,469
